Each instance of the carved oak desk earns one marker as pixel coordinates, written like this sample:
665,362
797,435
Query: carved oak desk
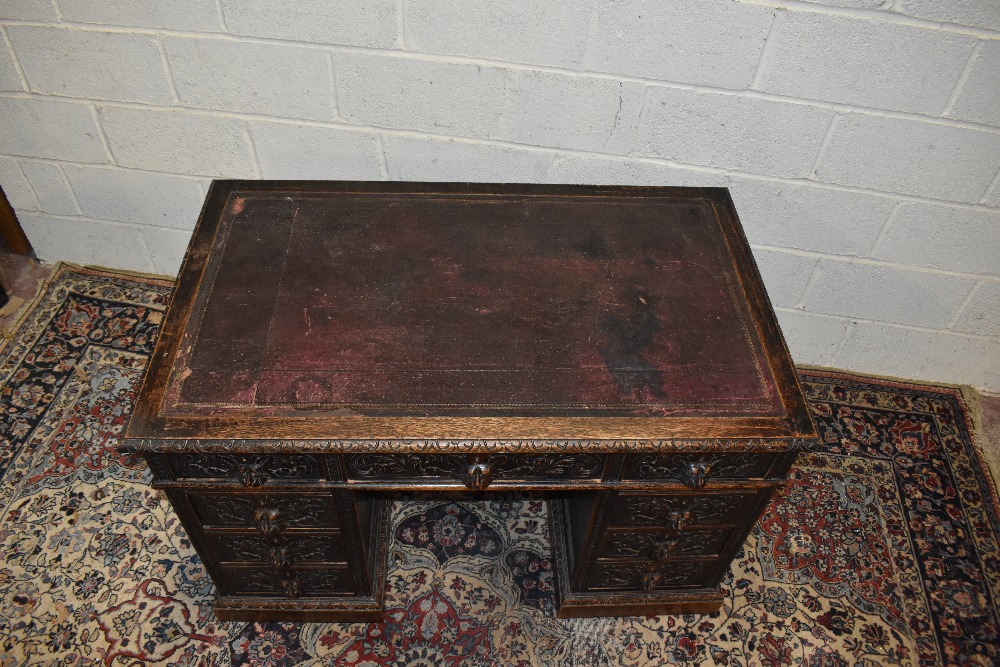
331,346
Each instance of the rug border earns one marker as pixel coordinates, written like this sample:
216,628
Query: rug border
956,391
60,269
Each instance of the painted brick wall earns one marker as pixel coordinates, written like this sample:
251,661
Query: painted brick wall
860,138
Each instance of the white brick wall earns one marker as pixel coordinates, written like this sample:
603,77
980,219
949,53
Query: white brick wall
860,138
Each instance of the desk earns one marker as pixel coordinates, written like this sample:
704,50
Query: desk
331,346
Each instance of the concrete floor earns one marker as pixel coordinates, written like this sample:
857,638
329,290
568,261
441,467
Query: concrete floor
24,277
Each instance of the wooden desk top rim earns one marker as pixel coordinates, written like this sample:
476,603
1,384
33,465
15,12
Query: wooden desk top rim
147,424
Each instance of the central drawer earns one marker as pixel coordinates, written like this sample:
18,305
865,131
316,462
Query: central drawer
267,513
476,471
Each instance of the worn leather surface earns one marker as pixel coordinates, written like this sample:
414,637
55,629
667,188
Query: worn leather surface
398,304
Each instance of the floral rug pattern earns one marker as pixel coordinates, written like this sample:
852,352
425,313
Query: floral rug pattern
882,549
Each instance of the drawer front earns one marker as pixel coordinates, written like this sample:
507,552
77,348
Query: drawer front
652,576
546,466
697,470
270,514
293,584
476,472
248,469
285,551
384,467
677,512
663,545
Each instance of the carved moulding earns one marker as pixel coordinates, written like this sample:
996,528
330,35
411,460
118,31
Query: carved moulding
241,446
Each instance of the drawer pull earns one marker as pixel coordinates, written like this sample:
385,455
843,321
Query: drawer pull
665,548
268,521
697,473
291,588
677,520
651,580
250,473
279,557
478,476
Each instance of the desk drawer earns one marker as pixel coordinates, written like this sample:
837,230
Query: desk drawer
475,471
243,469
269,514
662,545
651,576
680,511
697,470
296,583
286,551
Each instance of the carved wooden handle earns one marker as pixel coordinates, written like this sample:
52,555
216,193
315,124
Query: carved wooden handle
677,520
478,475
665,548
650,580
251,474
698,473
279,557
268,521
291,588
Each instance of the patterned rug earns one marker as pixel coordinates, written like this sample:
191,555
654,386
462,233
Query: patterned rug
882,550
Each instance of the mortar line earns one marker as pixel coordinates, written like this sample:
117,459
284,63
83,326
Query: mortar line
168,70
961,309
883,230
100,132
571,152
253,151
333,87
865,261
499,64
880,15
593,29
149,255
994,186
222,16
114,223
59,13
17,61
769,40
824,146
960,84
911,327
851,324
383,163
69,185
401,22
38,200
643,112
808,288
804,6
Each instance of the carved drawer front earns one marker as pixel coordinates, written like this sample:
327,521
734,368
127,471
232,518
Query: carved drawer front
292,584
697,470
406,466
269,514
475,471
663,545
651,576
283,551
249,469
546,466
677,512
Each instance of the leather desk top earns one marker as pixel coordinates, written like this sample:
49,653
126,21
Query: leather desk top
351,311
